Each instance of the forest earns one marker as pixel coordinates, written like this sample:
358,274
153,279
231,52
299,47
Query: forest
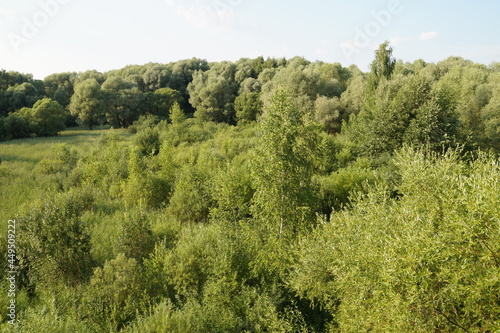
262,195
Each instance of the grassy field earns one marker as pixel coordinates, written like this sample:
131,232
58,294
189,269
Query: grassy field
19,183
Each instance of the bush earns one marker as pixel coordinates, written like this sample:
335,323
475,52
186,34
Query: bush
115,294
148,141
424,262
16,127
53,242
46,118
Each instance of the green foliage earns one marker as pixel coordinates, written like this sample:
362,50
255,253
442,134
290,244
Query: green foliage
53,242
232,192
143,187
284,164
404,110
46,118
159,102
62,159
329,113
14,126
87,102
337,189
22,95
382,66
148,121
310,219
121,99
148,141
213,92
47,319
115,294
425,262
177,117
191,198
248,106
124,232
105,166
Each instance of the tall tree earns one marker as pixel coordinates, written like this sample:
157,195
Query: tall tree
383,64
285,162
122,99
87,102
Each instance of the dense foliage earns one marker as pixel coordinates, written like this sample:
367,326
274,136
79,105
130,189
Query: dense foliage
257,196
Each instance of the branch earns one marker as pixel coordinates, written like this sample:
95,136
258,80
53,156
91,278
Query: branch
451,321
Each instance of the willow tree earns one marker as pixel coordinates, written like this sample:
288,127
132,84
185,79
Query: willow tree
87,102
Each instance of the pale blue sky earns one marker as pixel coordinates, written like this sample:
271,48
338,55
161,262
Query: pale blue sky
50,36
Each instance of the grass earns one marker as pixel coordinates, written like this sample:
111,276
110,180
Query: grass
18,182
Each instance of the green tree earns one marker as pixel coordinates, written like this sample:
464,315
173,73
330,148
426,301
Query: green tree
55,245
298,78
329,113
14,127
87,102
425,262
177,117
115,294
213,92
248,106
46,118
285,162
22,95
159,102
60,87
121,99
382,66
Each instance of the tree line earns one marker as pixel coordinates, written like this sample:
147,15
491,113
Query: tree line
392,104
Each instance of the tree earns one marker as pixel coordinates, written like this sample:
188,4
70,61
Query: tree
248,106
115,293
87,102
329,113
60,87
382,66
46,118
212,93
121,99
425,262
55,244
177,117
159,102
23,95
297,78
285,162
14,126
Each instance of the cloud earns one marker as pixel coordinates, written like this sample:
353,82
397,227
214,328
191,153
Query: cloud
203,14
398,40
428,35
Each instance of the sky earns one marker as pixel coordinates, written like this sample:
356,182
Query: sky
43,37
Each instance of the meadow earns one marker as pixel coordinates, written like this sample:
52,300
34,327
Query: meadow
19,158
